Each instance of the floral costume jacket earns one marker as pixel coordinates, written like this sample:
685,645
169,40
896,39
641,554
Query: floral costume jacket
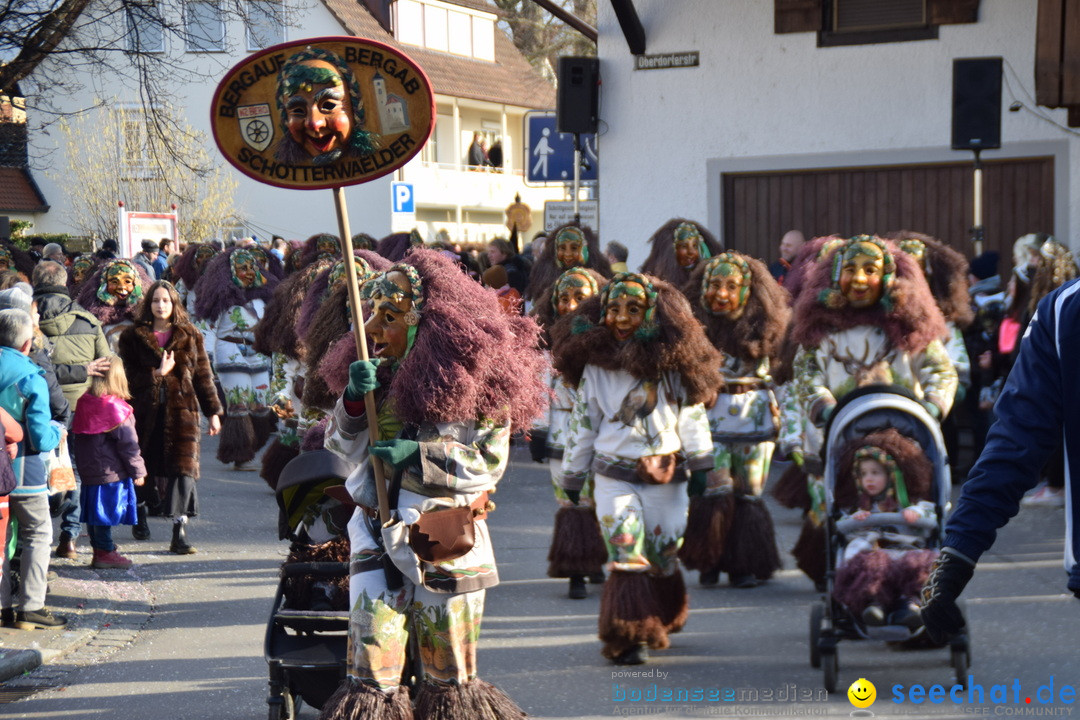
458,462
617,419
235,337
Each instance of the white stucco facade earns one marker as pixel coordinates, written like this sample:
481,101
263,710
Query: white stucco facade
762,101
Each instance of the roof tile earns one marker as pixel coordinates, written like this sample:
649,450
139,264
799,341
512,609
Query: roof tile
18,192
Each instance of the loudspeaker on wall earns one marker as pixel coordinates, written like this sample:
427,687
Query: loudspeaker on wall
976,110
577,102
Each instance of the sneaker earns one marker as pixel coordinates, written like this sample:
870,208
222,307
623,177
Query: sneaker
109,560
38,620
1046,496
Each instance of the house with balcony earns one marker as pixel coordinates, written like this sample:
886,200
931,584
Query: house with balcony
482,84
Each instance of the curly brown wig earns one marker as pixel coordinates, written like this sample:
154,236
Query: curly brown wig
276,332
946,274
545,270
914,466
759,330
679,345
661,261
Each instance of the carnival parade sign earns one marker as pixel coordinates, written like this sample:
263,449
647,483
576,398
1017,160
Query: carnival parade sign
323,112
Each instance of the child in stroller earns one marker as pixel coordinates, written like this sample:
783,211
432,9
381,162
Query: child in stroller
882,490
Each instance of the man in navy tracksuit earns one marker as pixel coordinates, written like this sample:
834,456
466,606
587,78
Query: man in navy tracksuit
1038,408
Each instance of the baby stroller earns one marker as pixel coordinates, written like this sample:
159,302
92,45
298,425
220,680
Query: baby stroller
858,414
307,634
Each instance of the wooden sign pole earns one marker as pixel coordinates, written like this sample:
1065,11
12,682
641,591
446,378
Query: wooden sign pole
361,346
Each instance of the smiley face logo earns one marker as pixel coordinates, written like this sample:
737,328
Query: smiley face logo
862,693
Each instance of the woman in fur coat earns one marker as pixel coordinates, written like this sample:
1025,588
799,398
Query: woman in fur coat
577,548
643,370
866,316
170,381
677,247
745,314
232,295
567,247
112,294
453,377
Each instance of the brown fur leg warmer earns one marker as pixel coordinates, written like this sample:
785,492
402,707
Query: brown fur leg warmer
237,444
707,527
475,700
577,547
865,579
751,544
809,550
673,599
790,489
264,424
354,700
274,460
630,614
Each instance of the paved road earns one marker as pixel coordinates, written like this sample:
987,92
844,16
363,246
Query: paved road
197,653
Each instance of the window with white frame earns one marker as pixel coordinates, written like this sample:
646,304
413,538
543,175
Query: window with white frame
265,24
410,22
135,142
483,38
446,28
145,29
435,28
205,27
459,30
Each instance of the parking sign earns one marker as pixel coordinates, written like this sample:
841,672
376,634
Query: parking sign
401,197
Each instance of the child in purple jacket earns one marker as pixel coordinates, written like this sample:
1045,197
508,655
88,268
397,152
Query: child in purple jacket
106,449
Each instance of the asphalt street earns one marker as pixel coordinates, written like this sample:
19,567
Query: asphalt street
195,651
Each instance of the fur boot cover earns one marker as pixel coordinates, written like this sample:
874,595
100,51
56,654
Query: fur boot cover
630,614
751,544
264,425
673,599
237,443
577,546
707,526
304,592
790,489
355,700
475,700
809,550
274,460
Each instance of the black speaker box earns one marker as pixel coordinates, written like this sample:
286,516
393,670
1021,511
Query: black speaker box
976,107
578,100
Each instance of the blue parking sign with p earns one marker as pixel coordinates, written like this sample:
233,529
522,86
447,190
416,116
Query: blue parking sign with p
402,198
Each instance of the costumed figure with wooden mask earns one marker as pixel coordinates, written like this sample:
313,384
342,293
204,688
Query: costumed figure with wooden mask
677,247
232,295
568,246
577,547
112,294
643,370
80,271
865,317
745,314
188,269
453,377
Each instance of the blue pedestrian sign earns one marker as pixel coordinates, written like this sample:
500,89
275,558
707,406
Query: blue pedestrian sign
402,198
549,154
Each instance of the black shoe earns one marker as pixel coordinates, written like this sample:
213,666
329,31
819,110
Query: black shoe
637,655
709,578
179,544
873,616
597,578
578,591
38,620
907,616
141,529
744,582
7,617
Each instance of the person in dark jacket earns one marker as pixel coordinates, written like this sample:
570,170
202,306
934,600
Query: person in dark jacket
40,353
501,252
171,381
1038,411
79,353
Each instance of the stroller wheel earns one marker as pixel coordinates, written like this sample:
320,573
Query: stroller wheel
284,708
831,663
817,614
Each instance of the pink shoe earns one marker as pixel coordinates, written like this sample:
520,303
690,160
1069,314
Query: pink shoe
109,560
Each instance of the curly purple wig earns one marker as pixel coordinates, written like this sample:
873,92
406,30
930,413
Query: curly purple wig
319,291
215,291
394,246
470,359
110,314
276,332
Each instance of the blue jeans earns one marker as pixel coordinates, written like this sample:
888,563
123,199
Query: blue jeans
69,505
101,537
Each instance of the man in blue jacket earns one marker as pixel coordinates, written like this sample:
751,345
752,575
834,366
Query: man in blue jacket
1038,409
25,395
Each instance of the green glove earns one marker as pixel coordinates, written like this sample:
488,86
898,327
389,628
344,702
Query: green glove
361,379
698,480
797,457
398,453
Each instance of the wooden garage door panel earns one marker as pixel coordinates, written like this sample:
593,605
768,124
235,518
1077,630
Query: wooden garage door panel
1018,198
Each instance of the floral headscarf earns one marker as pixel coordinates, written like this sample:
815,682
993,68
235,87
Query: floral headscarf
570,234
711,268
832,297
896,490
688,232
244,257
623,284
81,267
572,278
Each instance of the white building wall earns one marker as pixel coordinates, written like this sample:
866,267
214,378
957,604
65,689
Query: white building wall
762,101
294,214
